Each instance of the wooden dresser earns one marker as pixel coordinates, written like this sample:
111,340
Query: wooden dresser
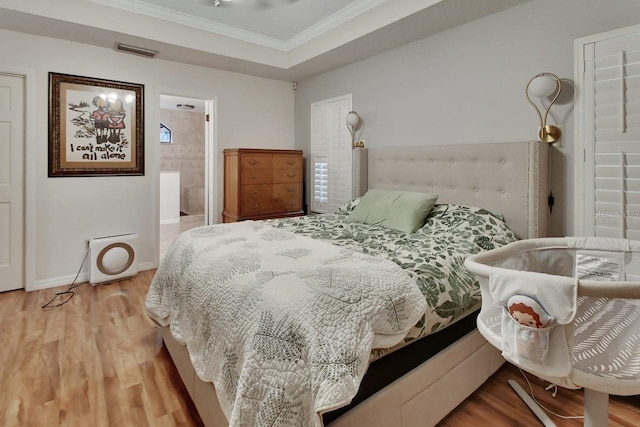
261,184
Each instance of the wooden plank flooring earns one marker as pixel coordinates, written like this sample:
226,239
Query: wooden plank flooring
95,361
495,404
98,361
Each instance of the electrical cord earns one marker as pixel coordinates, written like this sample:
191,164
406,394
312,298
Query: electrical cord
553,394
68,294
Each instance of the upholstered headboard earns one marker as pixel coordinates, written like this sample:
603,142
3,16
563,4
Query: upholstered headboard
507,178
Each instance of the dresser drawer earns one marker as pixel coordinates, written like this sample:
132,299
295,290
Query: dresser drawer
286,175
273,209
256,192
288,205
287,197
257,176
257,199
286,191
259,161
271,198
287,162
253,208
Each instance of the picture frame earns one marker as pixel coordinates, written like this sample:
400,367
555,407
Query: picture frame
165,135
96,126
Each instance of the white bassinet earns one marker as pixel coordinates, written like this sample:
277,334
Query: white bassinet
587,292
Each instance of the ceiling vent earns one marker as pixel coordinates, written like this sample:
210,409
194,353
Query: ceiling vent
148,53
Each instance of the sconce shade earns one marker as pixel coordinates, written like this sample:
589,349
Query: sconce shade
353,119
543,86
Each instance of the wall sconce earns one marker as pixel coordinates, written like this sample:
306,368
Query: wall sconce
353,121
545,85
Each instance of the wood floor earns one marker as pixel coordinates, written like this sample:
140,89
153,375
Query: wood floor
97,361
495,404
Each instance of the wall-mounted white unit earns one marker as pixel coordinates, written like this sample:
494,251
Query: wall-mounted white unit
112,258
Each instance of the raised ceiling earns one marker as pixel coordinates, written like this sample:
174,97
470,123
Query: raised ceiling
281,24
288,40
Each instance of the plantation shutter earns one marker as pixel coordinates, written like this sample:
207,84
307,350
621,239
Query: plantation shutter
330,154
612,140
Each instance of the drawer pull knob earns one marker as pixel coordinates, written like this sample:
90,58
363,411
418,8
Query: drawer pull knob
291,204
291,162
291,190
291,176
255,177
253,206
254,192
253,162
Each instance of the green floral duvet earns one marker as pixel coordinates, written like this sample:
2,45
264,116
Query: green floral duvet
434,255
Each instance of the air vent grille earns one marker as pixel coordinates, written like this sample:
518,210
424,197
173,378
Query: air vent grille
148,53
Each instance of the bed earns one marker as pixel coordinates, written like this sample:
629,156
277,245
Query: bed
505,178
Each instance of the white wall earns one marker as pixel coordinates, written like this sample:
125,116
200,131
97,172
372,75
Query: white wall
252,112
466,85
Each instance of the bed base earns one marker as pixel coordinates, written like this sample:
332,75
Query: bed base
420,398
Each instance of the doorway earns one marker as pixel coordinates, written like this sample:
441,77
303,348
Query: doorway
186,182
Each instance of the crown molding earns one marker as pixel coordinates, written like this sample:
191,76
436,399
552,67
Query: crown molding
344,15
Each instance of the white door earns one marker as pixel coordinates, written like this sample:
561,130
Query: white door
608,138
11,182
331,155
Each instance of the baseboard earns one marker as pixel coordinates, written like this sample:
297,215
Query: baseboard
82,277
169,221
58,281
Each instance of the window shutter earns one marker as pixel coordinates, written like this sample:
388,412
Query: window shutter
330,154
615,151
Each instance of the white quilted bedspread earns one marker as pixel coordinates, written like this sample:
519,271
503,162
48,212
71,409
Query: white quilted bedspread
282,324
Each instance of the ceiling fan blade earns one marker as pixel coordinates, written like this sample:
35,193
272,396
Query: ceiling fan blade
251,4
220,3
279,3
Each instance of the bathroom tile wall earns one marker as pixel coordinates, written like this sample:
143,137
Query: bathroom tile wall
186,155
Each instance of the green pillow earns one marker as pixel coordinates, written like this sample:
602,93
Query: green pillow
399,210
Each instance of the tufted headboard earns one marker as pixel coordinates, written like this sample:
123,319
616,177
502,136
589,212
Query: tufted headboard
507,178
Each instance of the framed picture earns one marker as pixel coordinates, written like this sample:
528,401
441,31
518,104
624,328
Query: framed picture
165,134
96,127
